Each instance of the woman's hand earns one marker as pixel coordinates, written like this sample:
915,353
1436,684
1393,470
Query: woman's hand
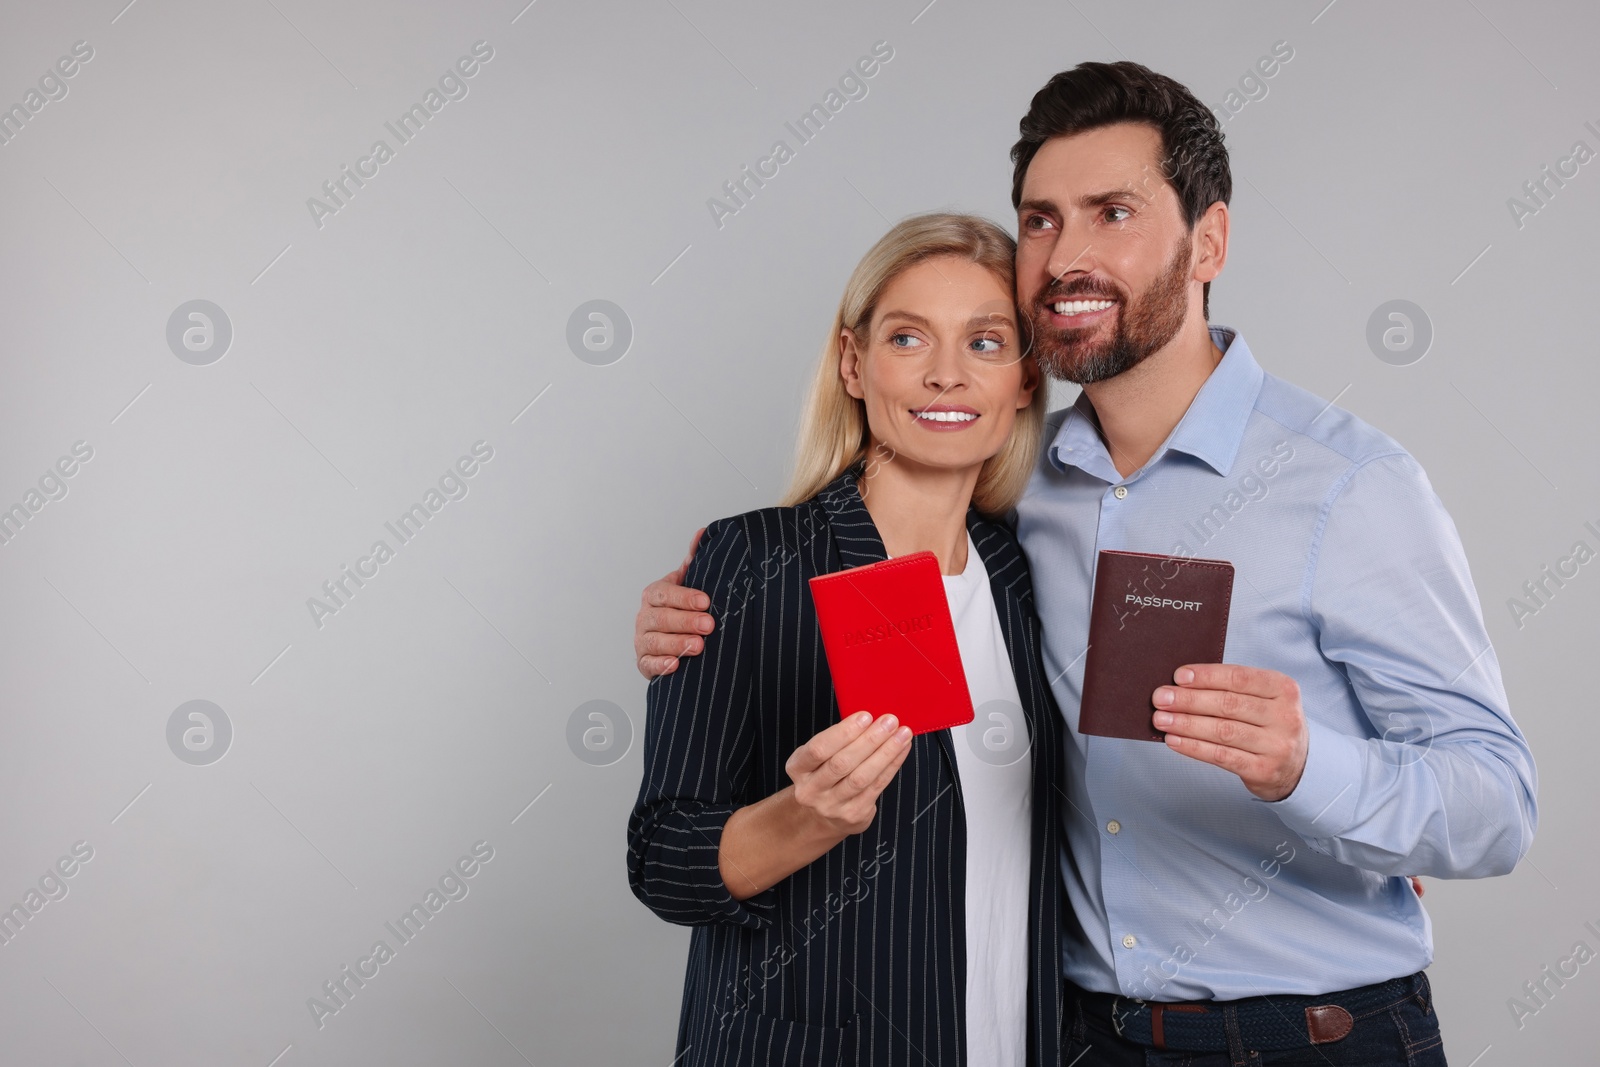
839,774
837,778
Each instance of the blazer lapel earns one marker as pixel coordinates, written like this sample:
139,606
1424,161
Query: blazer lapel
1003,560
853,529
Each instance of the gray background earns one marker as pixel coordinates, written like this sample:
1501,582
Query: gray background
432,310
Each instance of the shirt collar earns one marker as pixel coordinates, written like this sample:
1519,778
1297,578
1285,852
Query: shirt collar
1210,430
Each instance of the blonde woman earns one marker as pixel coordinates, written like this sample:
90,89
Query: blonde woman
859,895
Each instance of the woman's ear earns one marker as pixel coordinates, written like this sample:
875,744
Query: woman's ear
850,364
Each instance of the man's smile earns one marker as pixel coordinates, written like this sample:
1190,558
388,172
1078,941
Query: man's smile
1069,313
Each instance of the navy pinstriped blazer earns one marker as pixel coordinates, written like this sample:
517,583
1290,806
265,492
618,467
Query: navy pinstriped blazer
860,957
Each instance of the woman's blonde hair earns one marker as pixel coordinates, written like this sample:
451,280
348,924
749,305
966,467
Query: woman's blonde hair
833,424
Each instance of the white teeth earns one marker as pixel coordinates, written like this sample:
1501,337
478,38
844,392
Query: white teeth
1078,307
944,416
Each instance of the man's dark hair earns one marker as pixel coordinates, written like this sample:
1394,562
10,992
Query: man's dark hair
1091,95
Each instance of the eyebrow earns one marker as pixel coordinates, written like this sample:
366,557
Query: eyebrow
1109,196
973,323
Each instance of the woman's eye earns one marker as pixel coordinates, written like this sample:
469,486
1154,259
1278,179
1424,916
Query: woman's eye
988,345
895,340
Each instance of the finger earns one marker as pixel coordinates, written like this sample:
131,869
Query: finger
673,621
1238,761
844,762
1217,703
1229,732
656,666
1234,677
890,753
650,642
670,592
655,643
825,744
683,568
892,769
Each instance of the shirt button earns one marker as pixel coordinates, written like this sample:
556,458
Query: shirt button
1113,827
1120,491
1129,941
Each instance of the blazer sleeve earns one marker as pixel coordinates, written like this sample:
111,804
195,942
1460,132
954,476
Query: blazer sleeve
700,750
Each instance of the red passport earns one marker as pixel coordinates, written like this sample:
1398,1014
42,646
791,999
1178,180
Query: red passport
1150,615
891,644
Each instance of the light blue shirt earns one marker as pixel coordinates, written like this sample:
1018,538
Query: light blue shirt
1350,578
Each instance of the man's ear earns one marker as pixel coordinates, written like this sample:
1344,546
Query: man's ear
850,364
1211,242
1031,381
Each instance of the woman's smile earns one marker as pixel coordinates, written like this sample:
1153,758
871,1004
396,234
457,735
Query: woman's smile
944,418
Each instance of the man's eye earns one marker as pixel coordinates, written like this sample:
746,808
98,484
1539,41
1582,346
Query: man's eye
1114,208
1036,222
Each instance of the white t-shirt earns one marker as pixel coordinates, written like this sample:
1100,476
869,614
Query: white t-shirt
992,759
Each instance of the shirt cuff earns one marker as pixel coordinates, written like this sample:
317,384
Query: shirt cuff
1323,804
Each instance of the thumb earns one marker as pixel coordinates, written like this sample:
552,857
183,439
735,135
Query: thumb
799,763
683,568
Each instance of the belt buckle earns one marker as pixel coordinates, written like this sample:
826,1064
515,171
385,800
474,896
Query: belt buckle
1158,1011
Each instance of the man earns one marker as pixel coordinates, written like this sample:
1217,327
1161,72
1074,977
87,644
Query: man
1239,892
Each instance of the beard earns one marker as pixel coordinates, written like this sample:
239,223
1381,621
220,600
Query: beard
1144,326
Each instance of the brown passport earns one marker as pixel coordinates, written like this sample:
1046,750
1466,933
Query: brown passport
1150,615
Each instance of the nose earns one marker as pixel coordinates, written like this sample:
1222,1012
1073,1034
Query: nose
946,369
1073,252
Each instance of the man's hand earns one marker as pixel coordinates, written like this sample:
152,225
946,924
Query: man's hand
669,610
1247,720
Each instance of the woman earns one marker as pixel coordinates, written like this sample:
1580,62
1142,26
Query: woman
859,895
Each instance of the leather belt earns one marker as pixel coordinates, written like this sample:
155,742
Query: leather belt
1158,1029
1276,1022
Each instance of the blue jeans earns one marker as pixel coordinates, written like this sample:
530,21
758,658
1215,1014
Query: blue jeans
1393,1023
